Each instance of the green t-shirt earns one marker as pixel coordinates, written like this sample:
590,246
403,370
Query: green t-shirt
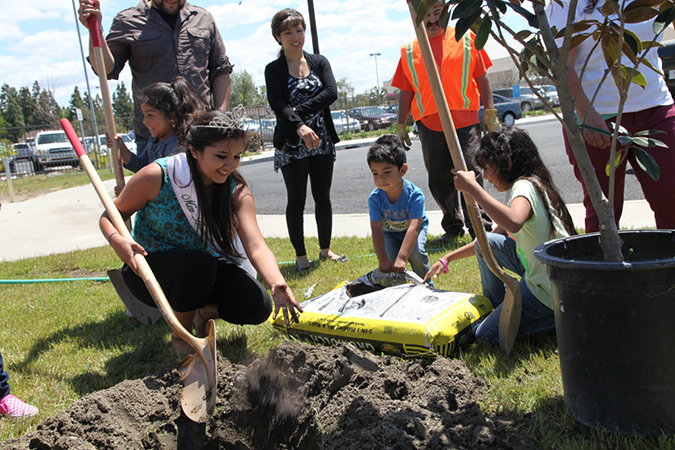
535,232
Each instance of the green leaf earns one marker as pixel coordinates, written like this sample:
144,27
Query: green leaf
648,132
595,129
647,163
423,9
531,18
648,143
664,19
638,15
444,19
638,78
641,10
501,6
617,161
625,140
524,34
633,41
483,32
466,8
463,24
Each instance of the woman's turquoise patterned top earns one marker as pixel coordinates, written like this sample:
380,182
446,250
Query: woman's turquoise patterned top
162,226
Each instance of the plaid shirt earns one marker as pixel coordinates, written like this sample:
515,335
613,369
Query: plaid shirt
194,50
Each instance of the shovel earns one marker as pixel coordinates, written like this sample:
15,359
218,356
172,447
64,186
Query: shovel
198,371
138,309
509,320
105,94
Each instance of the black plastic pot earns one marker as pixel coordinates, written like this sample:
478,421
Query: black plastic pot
615,324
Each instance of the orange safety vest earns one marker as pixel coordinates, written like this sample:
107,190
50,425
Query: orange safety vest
461,91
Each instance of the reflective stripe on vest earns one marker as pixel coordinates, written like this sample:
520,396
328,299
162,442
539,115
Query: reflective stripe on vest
465,84
410,53
466,66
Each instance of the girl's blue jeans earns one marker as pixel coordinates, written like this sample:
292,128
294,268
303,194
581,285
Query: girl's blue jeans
4,380
536,317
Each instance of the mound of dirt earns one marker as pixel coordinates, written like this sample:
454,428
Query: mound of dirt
298,397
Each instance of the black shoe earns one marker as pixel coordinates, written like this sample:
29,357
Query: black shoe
337,258
447,237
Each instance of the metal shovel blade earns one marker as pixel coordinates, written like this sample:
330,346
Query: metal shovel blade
200,379
509,319
139,310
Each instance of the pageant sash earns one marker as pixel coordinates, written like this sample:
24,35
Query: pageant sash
184,188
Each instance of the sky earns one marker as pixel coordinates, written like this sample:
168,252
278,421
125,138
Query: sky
39,41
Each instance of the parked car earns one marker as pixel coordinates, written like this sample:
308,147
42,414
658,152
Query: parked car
24,151
508,109
129,142
551,92
528,100
264,127
344,124
393,109
372,117
52,148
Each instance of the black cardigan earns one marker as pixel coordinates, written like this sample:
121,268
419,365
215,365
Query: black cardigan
278,96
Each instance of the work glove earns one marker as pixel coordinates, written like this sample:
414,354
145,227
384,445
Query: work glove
490,120
402,132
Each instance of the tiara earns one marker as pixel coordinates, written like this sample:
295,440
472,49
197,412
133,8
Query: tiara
229,120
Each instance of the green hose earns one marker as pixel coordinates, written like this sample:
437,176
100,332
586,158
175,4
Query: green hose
99,279
53,280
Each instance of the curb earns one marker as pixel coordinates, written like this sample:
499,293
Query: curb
267,155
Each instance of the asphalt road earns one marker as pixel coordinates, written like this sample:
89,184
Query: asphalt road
352,182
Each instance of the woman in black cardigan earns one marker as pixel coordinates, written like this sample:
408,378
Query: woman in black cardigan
300,90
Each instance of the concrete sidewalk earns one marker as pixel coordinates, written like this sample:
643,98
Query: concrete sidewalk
67,220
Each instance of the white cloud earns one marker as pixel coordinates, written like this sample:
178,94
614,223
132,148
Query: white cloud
10,31
40,42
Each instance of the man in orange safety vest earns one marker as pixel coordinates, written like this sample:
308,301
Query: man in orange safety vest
463,71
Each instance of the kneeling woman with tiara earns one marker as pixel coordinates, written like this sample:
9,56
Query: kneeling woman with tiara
196,225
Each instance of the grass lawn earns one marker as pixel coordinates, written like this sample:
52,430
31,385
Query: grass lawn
29,186
63,340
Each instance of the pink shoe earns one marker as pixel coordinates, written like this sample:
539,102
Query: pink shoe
16,409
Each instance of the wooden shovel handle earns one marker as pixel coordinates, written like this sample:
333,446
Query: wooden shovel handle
105,94
455,151
117,220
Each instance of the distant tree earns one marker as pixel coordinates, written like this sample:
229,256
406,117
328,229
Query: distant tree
76,101
244,91
11,108
262,92
345,93
123,107
372,98
48,110
98,108
3,125
29,107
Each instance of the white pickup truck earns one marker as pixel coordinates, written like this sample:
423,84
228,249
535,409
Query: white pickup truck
52,148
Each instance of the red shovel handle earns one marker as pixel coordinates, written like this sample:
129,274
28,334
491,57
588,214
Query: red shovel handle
72,137
93,27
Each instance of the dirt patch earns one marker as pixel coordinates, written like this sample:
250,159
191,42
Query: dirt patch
298,397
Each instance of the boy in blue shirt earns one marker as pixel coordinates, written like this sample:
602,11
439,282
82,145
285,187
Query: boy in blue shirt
397,219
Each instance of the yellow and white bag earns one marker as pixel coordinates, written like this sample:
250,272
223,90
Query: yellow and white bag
389,313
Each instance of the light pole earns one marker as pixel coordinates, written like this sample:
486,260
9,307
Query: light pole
377,75
91,100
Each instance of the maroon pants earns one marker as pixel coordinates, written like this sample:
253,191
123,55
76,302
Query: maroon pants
659,194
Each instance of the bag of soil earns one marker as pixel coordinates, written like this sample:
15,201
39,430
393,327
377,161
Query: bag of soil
391,313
